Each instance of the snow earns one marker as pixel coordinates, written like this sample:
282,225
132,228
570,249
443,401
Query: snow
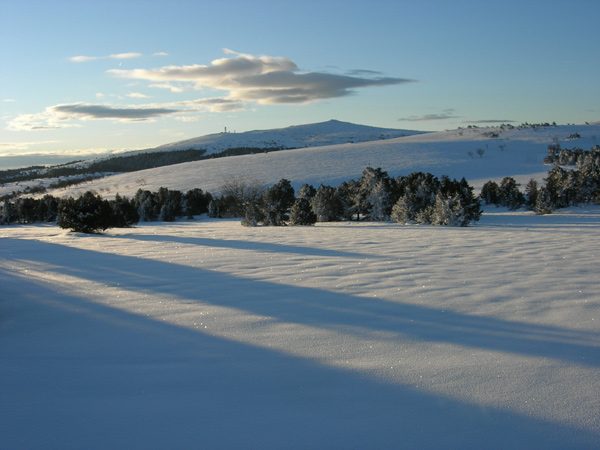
309,135
205,334
518,153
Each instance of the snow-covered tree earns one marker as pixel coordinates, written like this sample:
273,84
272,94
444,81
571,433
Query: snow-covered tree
327,205
302,213
277,201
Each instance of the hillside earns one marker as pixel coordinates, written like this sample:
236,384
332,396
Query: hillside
472,153
296,136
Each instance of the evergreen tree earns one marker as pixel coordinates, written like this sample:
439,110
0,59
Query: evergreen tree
379,201
510,196
307,191
9,212
147,205
327,205
348,194
125,214
371,180
490,193
402,211
277,201
196,202
531,193
87,214
543,201
253,214
302,213
171,206
213,208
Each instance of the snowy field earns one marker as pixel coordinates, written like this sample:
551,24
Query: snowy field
205,334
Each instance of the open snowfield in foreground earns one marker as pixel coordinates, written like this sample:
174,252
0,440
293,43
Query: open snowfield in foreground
205,334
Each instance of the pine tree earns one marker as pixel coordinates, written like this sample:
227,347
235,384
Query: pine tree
124,212
307,191
531,194
490,193
87,214
402,211
302,213
510,196
327,205
253,215
544,201
379,200
277,201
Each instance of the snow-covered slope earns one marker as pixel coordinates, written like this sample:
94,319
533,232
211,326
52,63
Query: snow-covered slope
340,336
297,136
469,153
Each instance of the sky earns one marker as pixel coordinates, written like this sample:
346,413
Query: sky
80,78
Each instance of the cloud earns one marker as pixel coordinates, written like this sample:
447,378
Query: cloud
68,115
8,100
261,79
170,87
362,72
86,111
136,95
446,115
217,104
64,116
128,55
160,54
85,58
491,121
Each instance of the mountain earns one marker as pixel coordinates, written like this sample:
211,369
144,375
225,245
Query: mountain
478,154
297,136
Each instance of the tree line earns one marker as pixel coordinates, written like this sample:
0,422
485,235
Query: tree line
416,198
561,188
419,198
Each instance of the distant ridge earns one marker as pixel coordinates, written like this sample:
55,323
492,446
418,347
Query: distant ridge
297,136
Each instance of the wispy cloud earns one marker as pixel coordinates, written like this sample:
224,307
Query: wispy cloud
8,100
445,115
65,116
261,79
215,104
87,111
86,58
69,115
160,54
136,95
168,86
491,121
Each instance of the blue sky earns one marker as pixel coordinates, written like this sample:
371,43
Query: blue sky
81,77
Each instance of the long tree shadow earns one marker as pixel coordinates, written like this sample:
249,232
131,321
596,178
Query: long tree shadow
245,245
316,307
84,375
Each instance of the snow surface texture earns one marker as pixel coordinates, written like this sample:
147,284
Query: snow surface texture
368,336
519,153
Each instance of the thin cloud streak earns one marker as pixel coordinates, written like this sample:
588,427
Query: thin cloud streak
429,117
491,121
86,58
